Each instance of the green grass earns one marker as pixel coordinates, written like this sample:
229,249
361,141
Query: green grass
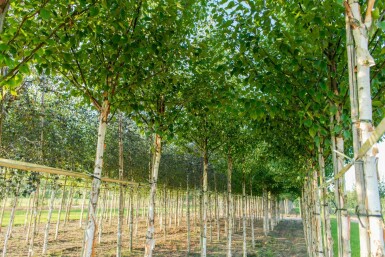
354,238
20,216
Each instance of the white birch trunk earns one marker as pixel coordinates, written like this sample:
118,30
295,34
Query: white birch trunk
363,63
2,210
328,240
317,213
95,188
35,216
131,218
358,165
265,209
244,248
10,224
46,232
60,208
82,208
150,239
204,201
121,199
188,216
229,203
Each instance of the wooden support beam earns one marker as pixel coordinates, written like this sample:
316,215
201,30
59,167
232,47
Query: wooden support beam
376,135
25,166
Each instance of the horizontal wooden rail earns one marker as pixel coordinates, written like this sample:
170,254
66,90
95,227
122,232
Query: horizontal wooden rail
374,137
25,166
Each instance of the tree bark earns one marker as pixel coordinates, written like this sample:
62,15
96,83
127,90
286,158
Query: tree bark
372,244
253,208
3,12
150,239
131,219
121,198
328,239
46,232
82,208
10,224
60,208
265,208
90,234
204,200
229,203
244,214
35,216
188,216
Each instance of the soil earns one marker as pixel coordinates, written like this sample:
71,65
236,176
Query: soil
286,240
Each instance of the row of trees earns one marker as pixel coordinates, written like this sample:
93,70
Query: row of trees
264,85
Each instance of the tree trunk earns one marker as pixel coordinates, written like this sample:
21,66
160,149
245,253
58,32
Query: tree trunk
102,214
265,209
229,203
164,212
3,12
216,207
244,214
46,232
373,223
10,224
328,240
27,213
253,208
82,208
188,215
317,216
150,240
95,188
131,222
204,202
60,208
35,216
68,207
2,210
121,199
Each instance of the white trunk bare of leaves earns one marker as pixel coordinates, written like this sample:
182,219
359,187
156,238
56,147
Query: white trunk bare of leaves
328,240
2,210
265,209
188,216
10,224
60,208
150,239
244,248
363,61
131,218
121,198
253,209
46,232
358,165
229,213
90,235
317,214
35,216
82,208
204,201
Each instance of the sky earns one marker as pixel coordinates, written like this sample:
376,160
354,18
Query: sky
350,176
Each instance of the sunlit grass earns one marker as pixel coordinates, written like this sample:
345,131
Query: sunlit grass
354,238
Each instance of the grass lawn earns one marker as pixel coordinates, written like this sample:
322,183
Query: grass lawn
20,216
354,238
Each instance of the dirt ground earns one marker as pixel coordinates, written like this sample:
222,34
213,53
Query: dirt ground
286,240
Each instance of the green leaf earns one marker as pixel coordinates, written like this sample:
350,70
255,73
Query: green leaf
308,123
45,14
313,131
381,25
